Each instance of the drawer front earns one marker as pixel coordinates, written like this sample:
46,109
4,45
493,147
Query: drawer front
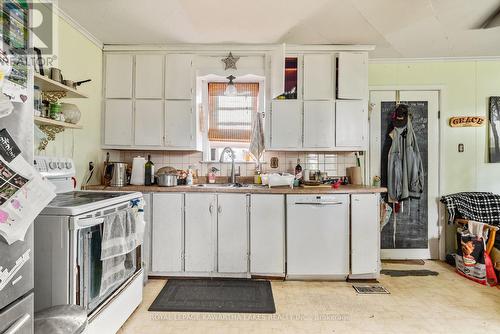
18,319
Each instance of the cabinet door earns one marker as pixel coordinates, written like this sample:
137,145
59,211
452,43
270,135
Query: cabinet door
179,124
167,232
199,226
352,75
365,234
351,123
319,124
267,234
286,124
119,76
277,71
178,77
232,233
148,122
149,76
146,246
118,122
318,77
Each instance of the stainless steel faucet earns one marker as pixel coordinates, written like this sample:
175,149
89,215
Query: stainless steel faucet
229,150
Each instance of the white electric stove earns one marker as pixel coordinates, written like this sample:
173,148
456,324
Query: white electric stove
67,250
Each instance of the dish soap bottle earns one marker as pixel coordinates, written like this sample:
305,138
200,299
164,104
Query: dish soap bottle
298,170
149,172
189,177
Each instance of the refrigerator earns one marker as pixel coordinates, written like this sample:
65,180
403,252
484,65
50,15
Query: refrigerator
16,260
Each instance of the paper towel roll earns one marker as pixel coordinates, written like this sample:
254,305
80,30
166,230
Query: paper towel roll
354,174
137,177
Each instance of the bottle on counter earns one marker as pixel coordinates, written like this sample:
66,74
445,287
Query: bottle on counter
298,170
189,177
212,175
149,172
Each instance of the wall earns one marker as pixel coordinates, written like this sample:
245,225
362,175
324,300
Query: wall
80,59
468,86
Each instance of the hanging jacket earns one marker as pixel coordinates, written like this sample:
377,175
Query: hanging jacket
405,170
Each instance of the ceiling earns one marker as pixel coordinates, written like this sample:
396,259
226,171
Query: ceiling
398,28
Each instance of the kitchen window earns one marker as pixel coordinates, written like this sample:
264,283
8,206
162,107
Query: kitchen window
230,118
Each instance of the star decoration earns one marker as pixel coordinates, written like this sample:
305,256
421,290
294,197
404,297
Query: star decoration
230,61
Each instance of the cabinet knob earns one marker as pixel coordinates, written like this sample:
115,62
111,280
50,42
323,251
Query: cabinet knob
219,209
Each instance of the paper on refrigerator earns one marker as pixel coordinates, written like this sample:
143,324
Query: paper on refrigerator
23,195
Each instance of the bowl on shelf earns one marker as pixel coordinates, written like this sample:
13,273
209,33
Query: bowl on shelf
71,113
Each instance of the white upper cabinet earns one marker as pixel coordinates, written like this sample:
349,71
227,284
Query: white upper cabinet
319,124
286,124
318,77
148,120
149,76
179,124
352,75
232,233
118,122
118,76
178,77
351,123
277,71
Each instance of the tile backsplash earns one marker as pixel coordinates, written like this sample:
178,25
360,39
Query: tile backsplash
333,163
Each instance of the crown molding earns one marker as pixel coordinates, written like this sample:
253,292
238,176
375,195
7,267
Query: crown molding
431,59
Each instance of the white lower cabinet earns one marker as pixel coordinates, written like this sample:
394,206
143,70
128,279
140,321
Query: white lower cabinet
200,231
232,233
267,235
365,236
146,246
167,237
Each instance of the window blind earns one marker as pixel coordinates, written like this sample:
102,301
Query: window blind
230,117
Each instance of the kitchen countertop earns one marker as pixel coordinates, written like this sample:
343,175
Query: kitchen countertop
253,189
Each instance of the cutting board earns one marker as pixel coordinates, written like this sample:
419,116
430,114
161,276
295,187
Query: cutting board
318,186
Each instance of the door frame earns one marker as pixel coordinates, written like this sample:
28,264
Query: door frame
442,110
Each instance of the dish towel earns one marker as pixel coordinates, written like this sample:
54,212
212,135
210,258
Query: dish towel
477,206
120,236
477,229
257,139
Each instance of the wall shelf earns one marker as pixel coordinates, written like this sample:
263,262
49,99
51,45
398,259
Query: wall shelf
51,128
50,86
52,122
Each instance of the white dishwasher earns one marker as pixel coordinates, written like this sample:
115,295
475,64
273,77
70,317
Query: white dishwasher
317,237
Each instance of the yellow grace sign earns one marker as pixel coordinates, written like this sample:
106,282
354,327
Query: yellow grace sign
466,121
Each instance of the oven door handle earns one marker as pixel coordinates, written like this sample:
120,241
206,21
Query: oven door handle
318,203
78,224
18,324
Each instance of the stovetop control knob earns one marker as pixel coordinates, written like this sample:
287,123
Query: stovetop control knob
52,165
68,165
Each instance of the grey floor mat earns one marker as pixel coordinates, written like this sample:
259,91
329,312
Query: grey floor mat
205,295
405,273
